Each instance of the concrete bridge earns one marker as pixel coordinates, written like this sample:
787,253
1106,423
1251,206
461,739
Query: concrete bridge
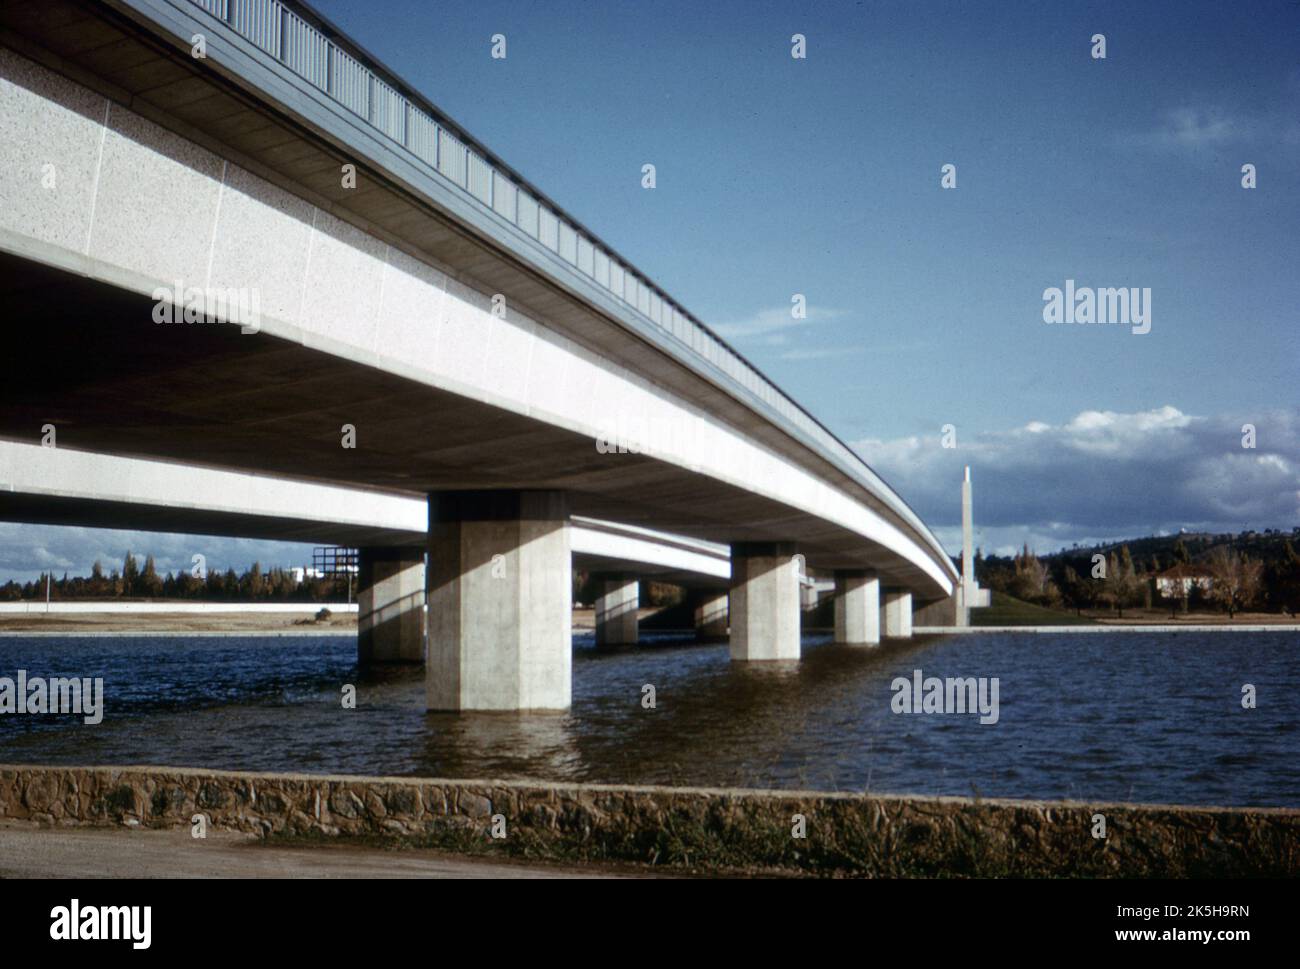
279,259
59,486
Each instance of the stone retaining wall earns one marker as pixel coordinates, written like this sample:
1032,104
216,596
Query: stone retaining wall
688,827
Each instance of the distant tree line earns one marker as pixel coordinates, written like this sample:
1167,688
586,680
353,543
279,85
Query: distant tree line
1251,571
135,582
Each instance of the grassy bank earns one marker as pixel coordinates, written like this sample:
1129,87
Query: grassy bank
1005,610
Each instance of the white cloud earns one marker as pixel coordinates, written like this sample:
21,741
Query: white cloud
772,324
1103,474
819,353
1190,127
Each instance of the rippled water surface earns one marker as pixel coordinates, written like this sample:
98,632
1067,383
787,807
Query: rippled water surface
1133,716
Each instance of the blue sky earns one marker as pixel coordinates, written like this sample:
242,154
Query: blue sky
821,176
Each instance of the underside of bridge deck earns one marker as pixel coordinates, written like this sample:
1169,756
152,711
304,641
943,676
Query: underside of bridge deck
92,362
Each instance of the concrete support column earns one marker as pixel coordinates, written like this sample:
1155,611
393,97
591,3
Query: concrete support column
764,601
945,612
857,607
808,597
390,606
617,603
898,613
712,616
500,596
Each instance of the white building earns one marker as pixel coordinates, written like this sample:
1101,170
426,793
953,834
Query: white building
1179,581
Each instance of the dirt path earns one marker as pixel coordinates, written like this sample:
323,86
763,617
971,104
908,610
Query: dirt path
27,852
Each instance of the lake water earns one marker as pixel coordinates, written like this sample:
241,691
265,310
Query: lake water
1133,716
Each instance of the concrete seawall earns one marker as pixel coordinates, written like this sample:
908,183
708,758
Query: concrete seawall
689,828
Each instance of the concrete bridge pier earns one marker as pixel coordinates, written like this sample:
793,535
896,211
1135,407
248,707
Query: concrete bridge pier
390,606
500,594
945,612
764,601
898,613
857,607
809,596
617,602
712,616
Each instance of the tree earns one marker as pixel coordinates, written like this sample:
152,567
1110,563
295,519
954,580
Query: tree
214,585
1181,555
1031,580
1121,585
149,584
130,574
1179,597
1079,593
254,584
1235,579
1282,580
98,585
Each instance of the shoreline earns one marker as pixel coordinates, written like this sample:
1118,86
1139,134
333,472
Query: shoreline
161,619
146,619
1125,628
279,632
74,633
224,619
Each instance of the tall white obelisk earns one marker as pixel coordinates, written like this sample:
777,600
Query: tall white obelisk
967,545
971,596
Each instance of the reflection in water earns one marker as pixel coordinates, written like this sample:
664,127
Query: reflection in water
536,744
1116,717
